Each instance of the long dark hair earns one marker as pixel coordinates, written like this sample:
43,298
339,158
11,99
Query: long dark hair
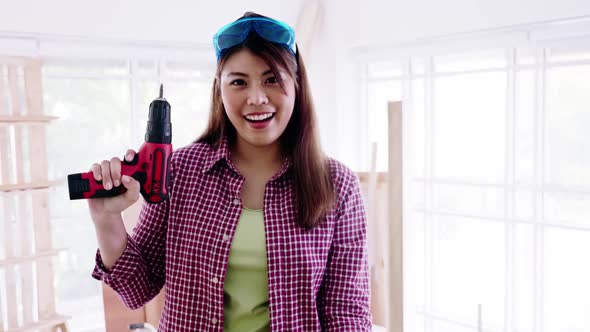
314,192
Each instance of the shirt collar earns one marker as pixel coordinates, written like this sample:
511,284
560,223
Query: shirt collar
215,155
223,153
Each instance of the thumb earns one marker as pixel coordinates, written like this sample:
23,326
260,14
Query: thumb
132,186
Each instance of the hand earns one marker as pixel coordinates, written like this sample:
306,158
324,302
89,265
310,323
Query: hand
104,209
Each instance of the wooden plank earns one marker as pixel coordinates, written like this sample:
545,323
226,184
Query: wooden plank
26,249
12,274
26,119
55,320
11,298
396,286
375,228
15,101
9,236
42,230
38,154
18,130
31,186
19,168
364,177
33,87
31,258
3,93
5,218
14,60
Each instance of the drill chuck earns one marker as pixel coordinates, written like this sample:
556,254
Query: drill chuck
159,127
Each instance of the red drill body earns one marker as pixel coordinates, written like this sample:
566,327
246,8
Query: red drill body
151,165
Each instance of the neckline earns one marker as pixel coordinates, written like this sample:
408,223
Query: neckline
251,210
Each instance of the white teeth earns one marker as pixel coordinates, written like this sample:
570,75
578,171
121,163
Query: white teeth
259,117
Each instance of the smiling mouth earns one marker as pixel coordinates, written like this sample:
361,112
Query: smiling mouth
259,118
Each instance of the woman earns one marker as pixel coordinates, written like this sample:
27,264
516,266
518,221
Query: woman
261,231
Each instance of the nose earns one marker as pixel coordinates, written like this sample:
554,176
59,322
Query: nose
257,96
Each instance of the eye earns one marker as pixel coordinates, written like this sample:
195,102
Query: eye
237,82
272,80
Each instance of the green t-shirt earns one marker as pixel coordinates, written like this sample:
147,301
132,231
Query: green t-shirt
246,281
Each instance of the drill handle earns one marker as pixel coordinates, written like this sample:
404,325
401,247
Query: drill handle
84,186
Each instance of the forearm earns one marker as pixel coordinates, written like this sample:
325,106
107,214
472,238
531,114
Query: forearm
112,239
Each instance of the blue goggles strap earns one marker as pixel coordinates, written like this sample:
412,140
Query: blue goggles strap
236,32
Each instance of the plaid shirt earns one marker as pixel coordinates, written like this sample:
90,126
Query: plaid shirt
317,279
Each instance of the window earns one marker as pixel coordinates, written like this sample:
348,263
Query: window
102,107
497,200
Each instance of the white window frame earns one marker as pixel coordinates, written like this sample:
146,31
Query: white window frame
542,36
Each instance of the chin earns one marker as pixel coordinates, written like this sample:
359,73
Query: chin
260,141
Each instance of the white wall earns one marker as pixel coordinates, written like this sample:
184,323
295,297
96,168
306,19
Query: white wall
345,24
181,21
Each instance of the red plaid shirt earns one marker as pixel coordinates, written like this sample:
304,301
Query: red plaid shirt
317,279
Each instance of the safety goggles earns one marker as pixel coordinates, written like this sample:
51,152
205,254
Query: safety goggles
236,33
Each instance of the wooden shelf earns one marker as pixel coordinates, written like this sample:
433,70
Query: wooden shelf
56,320
15,60
30,186
26,119
24,259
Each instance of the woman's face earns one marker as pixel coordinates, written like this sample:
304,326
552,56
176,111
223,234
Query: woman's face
254,101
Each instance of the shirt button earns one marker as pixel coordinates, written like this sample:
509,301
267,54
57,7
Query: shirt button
215,280
225,237
214,320
236,201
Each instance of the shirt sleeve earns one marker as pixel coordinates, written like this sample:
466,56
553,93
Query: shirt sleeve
343,301
139,274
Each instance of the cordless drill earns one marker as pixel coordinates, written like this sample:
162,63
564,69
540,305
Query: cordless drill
150,166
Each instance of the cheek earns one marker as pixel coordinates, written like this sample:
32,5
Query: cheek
230,102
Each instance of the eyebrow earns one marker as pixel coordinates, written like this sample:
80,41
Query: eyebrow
237,73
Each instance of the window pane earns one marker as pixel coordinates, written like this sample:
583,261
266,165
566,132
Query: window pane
414,260
523,204
469,127
384,69
470,61
93,125
146,68
469,270
446,326
526,56
567,156
524,127
523,278
189,102
566,274
417,129
181,69
472,200
568,208
573,51
85,66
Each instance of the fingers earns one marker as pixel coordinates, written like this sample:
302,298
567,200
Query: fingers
116,171
96,171
129,155
109,171
133,187
105,169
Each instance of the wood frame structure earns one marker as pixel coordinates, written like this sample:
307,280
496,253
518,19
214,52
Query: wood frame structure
395,197
26,259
